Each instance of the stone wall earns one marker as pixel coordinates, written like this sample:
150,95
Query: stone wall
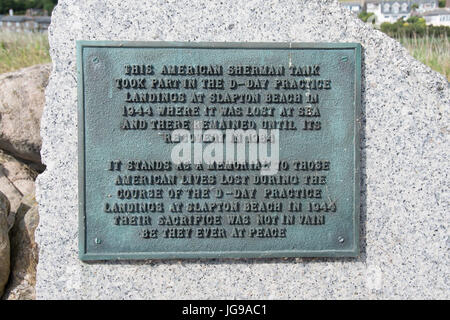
21,105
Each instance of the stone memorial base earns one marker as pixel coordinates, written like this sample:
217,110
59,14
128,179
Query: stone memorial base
404,164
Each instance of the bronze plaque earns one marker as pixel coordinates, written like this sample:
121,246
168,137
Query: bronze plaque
209,150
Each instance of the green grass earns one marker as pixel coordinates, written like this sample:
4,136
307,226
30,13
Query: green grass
20,50
432,51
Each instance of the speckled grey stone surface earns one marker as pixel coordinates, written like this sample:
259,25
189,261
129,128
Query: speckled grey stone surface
405,161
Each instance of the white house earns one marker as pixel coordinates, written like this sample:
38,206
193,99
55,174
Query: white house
426,5
355,6
438,17
24,23
392,10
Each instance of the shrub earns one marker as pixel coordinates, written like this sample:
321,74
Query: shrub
413,27
364,16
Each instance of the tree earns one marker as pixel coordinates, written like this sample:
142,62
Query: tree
6,5
20,6
365,16
49,5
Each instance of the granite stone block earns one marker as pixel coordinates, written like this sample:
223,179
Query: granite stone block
404,144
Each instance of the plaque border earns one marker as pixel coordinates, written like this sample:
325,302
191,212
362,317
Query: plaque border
85,256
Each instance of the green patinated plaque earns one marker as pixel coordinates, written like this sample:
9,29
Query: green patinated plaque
210,150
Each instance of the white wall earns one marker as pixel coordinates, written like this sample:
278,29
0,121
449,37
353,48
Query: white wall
440,20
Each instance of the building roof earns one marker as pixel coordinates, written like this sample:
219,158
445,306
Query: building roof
42,19
15,18
437,12
38,19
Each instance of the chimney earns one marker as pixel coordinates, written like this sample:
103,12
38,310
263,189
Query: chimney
11,12
364,5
